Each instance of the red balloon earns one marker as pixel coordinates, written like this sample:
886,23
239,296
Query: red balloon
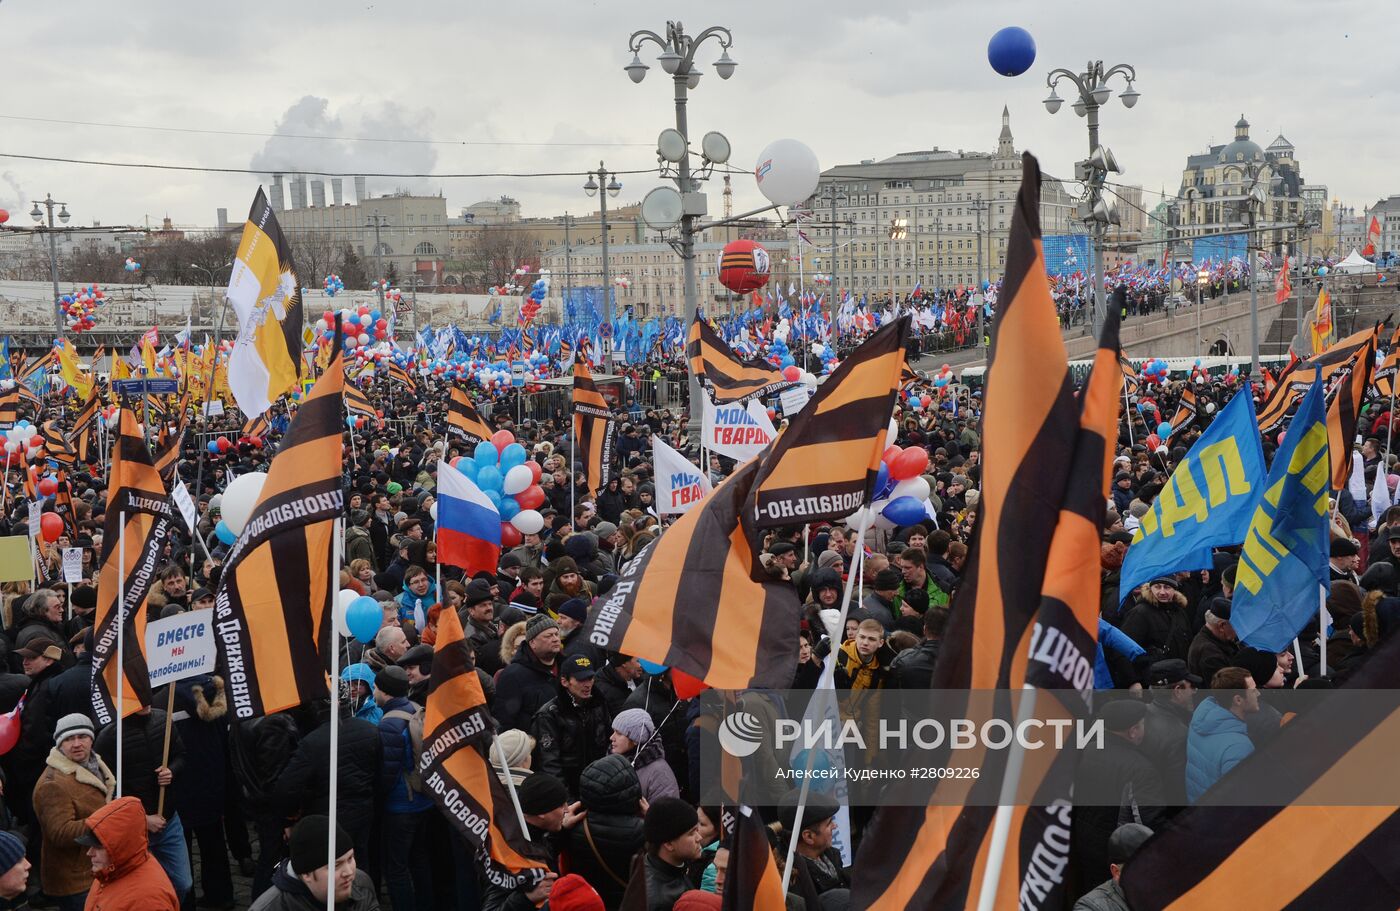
792,374
4,216
455,460
223,444
772,414
536,472
9,732
48,487
50,526
909,464
890,454
531,497
743,266
501,439
925,400
1153,441
510,535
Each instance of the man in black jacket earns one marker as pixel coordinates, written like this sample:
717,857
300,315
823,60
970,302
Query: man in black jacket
912,669
483,629
259,750
143,777
1161,625
617,680
572,729
673,841
528,682
303,788
1168,719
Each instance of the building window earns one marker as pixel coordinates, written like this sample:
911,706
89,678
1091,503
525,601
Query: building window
425,249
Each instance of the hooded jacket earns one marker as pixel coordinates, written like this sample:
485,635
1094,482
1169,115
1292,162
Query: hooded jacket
289,893
133,879
610,791
1216,743
1163,630
407,601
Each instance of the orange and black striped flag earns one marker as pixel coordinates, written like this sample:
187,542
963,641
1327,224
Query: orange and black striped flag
1185,413
273,606
458,771
400,375
1298,377
167,459
728,377
137,529
84,423
9,406
1045,482
823,466
1384,377
1350,383
28,370
463,417
752,881
595,431
1272,828
63,505
1131,382
56,445
908,376
356,402
694,600
256,427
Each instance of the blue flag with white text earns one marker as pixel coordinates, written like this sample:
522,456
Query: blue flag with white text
1207,503
1283,564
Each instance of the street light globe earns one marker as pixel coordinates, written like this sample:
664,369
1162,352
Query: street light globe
614,187
1080,108
63,215
670,61
36,213
725,65
1053,102
636,70
692,76
591,187
1130,96
1101,94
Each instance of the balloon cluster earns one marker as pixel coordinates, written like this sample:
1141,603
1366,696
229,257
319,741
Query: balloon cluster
530,307
360,327
821,279
623,281
240,497
943,377
334,285
828,356
23,441
1155,371
510,481
900,489
80,307
131,265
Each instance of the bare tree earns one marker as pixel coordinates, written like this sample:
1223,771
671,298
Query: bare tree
494,256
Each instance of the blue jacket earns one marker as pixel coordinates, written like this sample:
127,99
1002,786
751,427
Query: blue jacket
1215,744
1119,642
407,599
398,759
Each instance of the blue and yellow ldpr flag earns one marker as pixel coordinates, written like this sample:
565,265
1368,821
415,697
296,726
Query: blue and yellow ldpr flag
1283,563
1207,503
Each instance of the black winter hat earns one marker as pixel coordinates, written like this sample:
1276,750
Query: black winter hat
820,808
392,681
541,793
1261,665
668,819
307,844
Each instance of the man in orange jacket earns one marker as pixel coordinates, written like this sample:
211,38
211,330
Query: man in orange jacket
127,877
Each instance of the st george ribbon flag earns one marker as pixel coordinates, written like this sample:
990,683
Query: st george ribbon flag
1283,564
1208,501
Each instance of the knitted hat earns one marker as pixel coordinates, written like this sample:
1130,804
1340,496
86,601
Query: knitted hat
668,819
604,530
1261,665
307,844
887,580
573,893
516,745
71,726
696,900
634,724
11,851
392,681
575,609
85,597
541,793
539,624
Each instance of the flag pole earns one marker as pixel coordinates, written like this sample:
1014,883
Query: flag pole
1390,423
121,638
1321,634
1001,825
827,682
510,786
336,545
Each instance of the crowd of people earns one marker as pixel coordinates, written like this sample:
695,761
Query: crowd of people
601,751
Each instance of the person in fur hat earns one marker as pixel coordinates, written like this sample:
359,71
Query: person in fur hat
1160,621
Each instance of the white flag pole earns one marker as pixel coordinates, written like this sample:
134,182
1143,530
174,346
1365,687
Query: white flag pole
121,638
336,544
510,786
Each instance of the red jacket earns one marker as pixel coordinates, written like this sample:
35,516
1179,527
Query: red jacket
133,880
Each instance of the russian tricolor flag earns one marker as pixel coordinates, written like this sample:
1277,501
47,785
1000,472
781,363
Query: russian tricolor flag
468,525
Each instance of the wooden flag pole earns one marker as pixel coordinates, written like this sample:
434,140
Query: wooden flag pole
165,751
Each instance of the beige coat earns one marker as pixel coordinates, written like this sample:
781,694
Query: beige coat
66,795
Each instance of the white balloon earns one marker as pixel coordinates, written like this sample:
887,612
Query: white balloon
344,598
516,480
808,379
893,432
787,172
528,521
818,348
432,510
915,487
239,499
853,520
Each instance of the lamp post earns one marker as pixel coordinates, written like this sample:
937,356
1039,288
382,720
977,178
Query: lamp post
1254,207
1202,278
1094,92
677,59
899,229
48,202
607,181
377,221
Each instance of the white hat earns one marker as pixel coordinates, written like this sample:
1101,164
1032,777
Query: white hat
71,726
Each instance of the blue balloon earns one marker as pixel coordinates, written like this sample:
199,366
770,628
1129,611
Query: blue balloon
1011,51
882,479
651,667
904,511
485,454
489,478
363,617
224,533
508,508
788,361
468,468
1164,430
511,456
213,447
494,496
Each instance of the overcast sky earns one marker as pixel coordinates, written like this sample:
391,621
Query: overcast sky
850,83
